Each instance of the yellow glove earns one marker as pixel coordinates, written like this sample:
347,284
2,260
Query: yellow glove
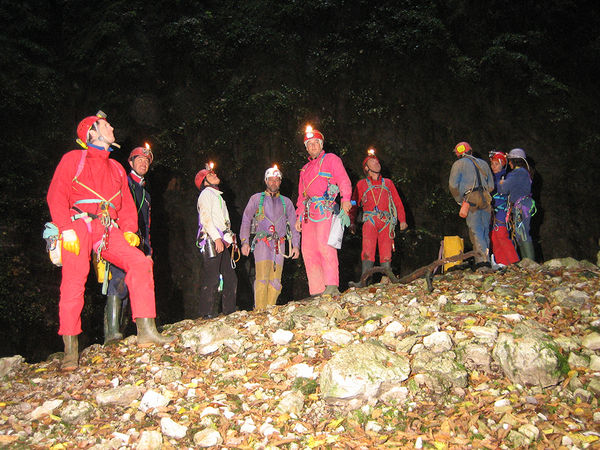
70,241
132,238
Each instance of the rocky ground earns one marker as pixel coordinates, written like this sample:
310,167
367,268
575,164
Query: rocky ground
503,360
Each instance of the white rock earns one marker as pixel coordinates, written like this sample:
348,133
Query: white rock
278,364
210,411
301,370
299,428
595,363
442,301
208,437
282,337
373,426
395,327
248,426
151,400
513,317
45,409
150,440
337,336
267,429
438,342
172,429
122,437
591,341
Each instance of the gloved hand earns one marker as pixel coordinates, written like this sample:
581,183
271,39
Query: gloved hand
70,241
344,218
132,238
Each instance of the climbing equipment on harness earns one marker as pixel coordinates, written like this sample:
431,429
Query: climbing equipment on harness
515,216
389,217
324,203
271,236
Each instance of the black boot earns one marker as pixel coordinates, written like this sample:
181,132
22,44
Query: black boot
112,315
527,250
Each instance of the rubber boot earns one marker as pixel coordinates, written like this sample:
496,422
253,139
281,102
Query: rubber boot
71,359
112,314
147,333
331,289
527,250
366,265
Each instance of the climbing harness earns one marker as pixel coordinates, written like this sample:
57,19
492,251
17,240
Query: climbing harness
324,203
271,238
389,217
515,216
103,216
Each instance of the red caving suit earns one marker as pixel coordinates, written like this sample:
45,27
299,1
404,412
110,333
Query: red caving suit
107,178
320,259
378,226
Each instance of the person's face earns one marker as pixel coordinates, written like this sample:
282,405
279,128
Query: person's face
313,147
374,167
104,129
212,178
273,184
140,164
496,165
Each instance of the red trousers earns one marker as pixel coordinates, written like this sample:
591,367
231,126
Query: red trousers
371,238
502,247
320,259
138,275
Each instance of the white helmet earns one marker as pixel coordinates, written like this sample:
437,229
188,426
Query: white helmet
516,153
273,172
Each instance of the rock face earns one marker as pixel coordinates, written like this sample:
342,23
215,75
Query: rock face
360,370
528,361
509,359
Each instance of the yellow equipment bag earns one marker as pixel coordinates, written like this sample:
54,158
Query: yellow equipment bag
453,245
100,268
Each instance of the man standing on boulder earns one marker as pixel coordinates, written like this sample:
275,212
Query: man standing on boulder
321,179
140,159
471,181
266,221
90,203
382,210
218,247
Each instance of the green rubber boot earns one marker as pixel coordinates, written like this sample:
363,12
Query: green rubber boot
331,289
527,250
147,334
366,265
112,314
71,359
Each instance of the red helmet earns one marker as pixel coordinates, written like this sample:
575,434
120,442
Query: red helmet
500,156
84,127
200,176
462,147
370,155
141,151
313,134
